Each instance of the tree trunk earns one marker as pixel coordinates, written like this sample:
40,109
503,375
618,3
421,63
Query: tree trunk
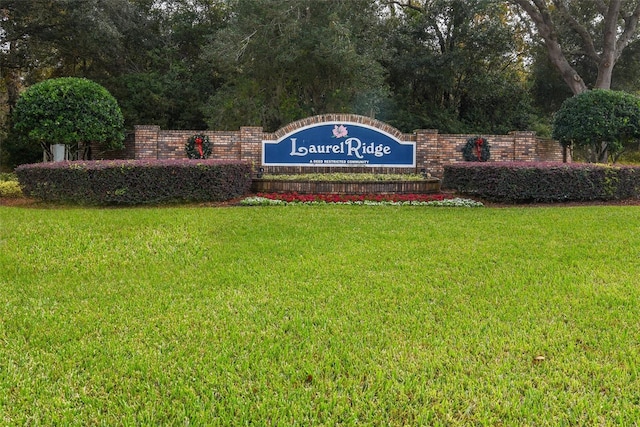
605,72
569,74
602,153
614,39
539,14
608,57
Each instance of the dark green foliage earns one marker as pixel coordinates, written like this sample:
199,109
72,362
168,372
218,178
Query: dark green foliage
18,150
448,70
542,182
453,65
602,121
130,182
69,111
285,60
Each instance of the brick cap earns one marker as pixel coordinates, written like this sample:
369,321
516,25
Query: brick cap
338,117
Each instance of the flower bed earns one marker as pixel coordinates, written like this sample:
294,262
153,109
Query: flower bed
269,199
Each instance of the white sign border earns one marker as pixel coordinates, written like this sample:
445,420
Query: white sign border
339,165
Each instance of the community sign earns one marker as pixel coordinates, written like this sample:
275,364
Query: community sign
339,144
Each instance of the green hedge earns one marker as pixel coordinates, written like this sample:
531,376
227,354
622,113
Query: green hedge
543,182
133,182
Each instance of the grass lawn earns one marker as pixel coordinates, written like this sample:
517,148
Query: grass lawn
315,315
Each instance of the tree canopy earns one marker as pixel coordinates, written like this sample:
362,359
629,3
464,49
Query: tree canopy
286,60
596,30
69,111
467,66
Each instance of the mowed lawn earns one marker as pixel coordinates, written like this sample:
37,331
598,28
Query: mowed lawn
320,315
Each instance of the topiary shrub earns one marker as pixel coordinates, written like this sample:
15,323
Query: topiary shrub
520,182
602,121
132,182
71,111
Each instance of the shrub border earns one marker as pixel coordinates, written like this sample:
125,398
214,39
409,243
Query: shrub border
133,182
525,182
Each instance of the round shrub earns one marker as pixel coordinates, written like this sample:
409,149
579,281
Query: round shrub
69,111
602,121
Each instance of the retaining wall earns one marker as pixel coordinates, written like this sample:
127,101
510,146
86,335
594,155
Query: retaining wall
433,150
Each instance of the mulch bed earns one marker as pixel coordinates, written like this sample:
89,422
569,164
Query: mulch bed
626,202
33,203
17,201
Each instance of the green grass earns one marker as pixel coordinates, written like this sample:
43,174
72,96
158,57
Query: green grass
320,315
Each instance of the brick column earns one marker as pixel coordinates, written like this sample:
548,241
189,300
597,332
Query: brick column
146,142
251,145
524,146
428,151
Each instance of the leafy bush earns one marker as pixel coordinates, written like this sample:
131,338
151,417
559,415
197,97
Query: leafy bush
8,176
135,182
631,157
543,182
9,186
69,110
602,121
10,189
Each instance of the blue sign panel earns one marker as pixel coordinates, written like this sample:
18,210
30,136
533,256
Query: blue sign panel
339,144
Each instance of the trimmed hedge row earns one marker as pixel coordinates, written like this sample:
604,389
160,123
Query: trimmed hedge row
132,182
518,182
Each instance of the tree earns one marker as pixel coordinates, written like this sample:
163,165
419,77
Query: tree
601,121
284,60
455,67
165,79
145,52
44,38
71,111
602,32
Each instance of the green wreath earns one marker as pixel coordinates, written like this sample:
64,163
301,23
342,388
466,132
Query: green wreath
198,147
476,150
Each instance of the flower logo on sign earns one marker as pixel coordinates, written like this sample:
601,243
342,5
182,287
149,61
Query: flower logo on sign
340,131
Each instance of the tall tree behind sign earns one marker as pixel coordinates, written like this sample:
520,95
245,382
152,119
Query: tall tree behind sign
289,59
602,29
456,66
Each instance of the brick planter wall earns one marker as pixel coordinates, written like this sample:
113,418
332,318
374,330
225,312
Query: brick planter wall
346,187
433,150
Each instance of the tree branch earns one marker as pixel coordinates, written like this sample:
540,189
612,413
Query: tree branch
587,41
611,28
539,14
602,7
409,4
631,24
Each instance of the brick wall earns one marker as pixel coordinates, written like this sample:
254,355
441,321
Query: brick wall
433,150
100,152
